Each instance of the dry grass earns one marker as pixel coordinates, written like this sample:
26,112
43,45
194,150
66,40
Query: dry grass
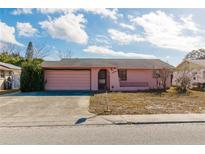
147,103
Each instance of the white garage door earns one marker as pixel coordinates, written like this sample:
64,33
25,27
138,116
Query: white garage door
67,80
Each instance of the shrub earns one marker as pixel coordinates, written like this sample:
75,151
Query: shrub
32,76
183,83
11,58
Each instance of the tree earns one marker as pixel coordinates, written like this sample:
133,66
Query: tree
164,75
161,76
183,81
14,59
196,54
37,51
65,55
40,51
10,55
29,51
32,76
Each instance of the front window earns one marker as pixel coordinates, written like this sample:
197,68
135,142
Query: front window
122,74
2,75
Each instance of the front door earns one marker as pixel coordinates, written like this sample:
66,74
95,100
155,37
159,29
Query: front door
102,82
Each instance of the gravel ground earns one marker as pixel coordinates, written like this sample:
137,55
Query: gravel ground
118,103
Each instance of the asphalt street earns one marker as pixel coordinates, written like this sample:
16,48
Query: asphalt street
192,133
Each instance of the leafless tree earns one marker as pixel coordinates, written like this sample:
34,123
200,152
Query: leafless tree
156,75
40,51
65,54
10,49
196,54
164,76
183,81
161,76
37,51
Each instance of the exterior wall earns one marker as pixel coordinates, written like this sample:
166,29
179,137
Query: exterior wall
196,76
195,72
6,73
15,79
200,76
113,78
141,76
1,83
133,75
94,78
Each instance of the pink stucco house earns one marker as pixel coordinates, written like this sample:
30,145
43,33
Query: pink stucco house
103,74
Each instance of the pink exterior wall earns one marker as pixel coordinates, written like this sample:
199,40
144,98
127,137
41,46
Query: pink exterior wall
133,75
94,79
80,80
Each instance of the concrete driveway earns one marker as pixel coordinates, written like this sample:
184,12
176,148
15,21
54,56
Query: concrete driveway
43,108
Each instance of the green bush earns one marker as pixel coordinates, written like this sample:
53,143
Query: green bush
11,58
32,76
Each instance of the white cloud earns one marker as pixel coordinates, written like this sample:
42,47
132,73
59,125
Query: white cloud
25,29
22,11
124,38
2,45
69,27
55,10
102,39
189,23
165,31
130,27
107,51
7,34
110,13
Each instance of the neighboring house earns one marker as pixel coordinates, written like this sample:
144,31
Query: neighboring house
9,71
194,69
103,74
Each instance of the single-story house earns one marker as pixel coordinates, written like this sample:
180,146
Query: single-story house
9,72
194,69
103,74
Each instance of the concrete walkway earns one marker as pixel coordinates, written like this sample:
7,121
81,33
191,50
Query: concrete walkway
146,119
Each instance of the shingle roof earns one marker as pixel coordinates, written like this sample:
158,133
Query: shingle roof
10,66
4,68
200,62
120,63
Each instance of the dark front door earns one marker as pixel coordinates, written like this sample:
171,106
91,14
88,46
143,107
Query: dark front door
102,82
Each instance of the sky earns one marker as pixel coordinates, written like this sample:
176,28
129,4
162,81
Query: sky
166,34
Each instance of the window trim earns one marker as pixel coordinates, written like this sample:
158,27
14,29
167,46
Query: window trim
122,74
2,74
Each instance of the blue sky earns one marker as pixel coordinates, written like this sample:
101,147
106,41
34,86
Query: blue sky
167,34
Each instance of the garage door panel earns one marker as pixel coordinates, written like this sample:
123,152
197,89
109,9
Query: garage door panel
67,80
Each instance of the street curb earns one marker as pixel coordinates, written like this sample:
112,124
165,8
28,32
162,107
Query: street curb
159,122
103,124
8,93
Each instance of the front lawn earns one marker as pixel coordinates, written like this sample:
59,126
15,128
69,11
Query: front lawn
147,102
